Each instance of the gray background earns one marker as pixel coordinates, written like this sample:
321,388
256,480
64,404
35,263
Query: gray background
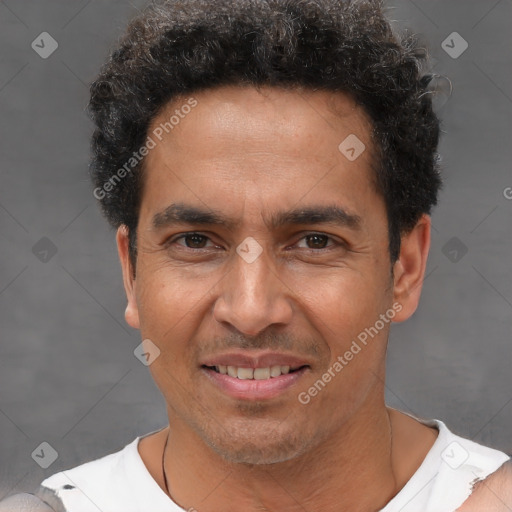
67,371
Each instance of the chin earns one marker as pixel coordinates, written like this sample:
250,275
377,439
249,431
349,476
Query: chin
258,445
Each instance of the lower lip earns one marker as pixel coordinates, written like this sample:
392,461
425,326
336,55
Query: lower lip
250,389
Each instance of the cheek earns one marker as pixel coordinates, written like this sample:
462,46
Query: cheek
168,305
343,307
342,299
173,290
167,311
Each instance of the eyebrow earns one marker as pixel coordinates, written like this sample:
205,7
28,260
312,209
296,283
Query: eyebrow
179,213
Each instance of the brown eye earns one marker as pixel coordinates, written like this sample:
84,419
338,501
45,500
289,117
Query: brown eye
192,245
191,241
316,241
195,241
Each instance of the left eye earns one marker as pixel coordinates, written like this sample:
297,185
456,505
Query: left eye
317,241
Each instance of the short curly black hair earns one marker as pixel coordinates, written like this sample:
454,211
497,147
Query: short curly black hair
178,47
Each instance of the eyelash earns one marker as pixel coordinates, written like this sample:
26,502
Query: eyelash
182,236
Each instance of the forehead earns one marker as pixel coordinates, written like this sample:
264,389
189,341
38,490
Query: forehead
265,142
245,114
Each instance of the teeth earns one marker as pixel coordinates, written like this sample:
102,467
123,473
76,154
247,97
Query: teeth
275,371
261,373
245,373
253,373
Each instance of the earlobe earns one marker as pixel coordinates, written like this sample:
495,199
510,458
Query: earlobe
131,313
409,269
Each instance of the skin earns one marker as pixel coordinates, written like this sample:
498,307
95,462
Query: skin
247,154
494,494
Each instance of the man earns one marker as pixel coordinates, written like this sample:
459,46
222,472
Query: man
270,166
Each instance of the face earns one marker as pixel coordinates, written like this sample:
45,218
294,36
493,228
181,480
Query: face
263,253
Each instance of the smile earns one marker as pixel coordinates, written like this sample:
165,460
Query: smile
254,384
243,373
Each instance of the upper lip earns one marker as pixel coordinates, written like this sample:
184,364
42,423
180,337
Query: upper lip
254,359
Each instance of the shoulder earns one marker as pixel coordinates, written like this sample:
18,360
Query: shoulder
28,502
94,475
106,478
494,494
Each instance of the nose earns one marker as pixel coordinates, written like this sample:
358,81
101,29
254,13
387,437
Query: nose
253,296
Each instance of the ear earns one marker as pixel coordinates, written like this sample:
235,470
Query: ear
132,313
409,269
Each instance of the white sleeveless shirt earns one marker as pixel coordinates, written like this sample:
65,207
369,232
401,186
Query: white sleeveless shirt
120,482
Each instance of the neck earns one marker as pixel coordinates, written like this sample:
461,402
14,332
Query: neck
354,469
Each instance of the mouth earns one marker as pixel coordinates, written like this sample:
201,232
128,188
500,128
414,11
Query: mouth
243,377
263,373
